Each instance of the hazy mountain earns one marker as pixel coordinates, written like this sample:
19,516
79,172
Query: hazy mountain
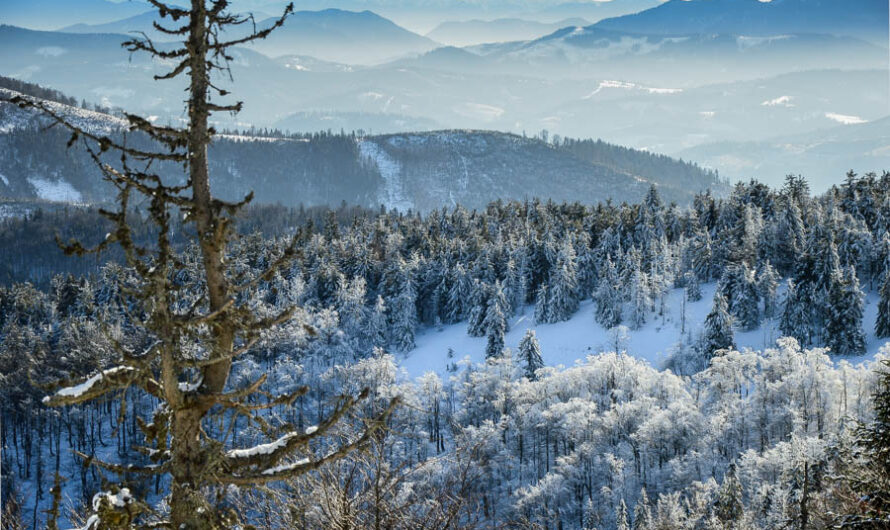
859,18
95,68
331,34
469,32
640,91
820,155
305,63
137,23
685,60
369,122
52,14
342,36
405,171
594,11
673,120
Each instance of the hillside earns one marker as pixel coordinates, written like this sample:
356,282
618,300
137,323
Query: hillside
420,171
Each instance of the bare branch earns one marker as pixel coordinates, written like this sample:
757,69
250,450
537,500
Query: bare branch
288,471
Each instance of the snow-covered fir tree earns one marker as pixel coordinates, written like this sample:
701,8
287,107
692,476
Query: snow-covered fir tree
403,317
717,333
530,354
495,322
882,323
844,320
607,296
767,288
639,298
562,289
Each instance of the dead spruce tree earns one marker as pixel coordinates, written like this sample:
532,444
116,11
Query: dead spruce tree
187,366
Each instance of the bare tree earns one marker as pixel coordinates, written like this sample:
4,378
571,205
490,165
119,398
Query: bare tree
187,365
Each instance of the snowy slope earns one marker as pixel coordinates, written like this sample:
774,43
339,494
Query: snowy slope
12,118
393,193
565,343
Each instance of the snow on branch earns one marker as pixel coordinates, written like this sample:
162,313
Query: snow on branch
95,386
263,449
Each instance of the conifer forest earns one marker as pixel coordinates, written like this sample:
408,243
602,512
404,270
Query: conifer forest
687,352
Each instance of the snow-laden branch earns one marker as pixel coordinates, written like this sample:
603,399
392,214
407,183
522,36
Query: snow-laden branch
95,386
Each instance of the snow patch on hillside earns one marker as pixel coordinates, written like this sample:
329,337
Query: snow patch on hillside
624,85
393,195
844,118
56,191
570,342
781,101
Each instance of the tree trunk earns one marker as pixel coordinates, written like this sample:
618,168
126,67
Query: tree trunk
188,507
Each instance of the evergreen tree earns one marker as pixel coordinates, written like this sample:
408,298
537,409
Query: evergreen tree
542,305
767,286
843,329
795,319
718,334
867,470
745,306
882,324
375,329
403,317
621,522
459,294
563,286
608,297
478,309
530,354
693,287
495,322
728,506
639,302
642,512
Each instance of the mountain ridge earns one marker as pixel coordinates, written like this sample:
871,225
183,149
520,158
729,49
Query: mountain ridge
417,171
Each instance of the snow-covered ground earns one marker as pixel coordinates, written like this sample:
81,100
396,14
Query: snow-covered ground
565,343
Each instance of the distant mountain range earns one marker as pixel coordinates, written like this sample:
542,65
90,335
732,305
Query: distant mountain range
330,35
820,155
470,32
622,79
853,18
53,14
419,171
